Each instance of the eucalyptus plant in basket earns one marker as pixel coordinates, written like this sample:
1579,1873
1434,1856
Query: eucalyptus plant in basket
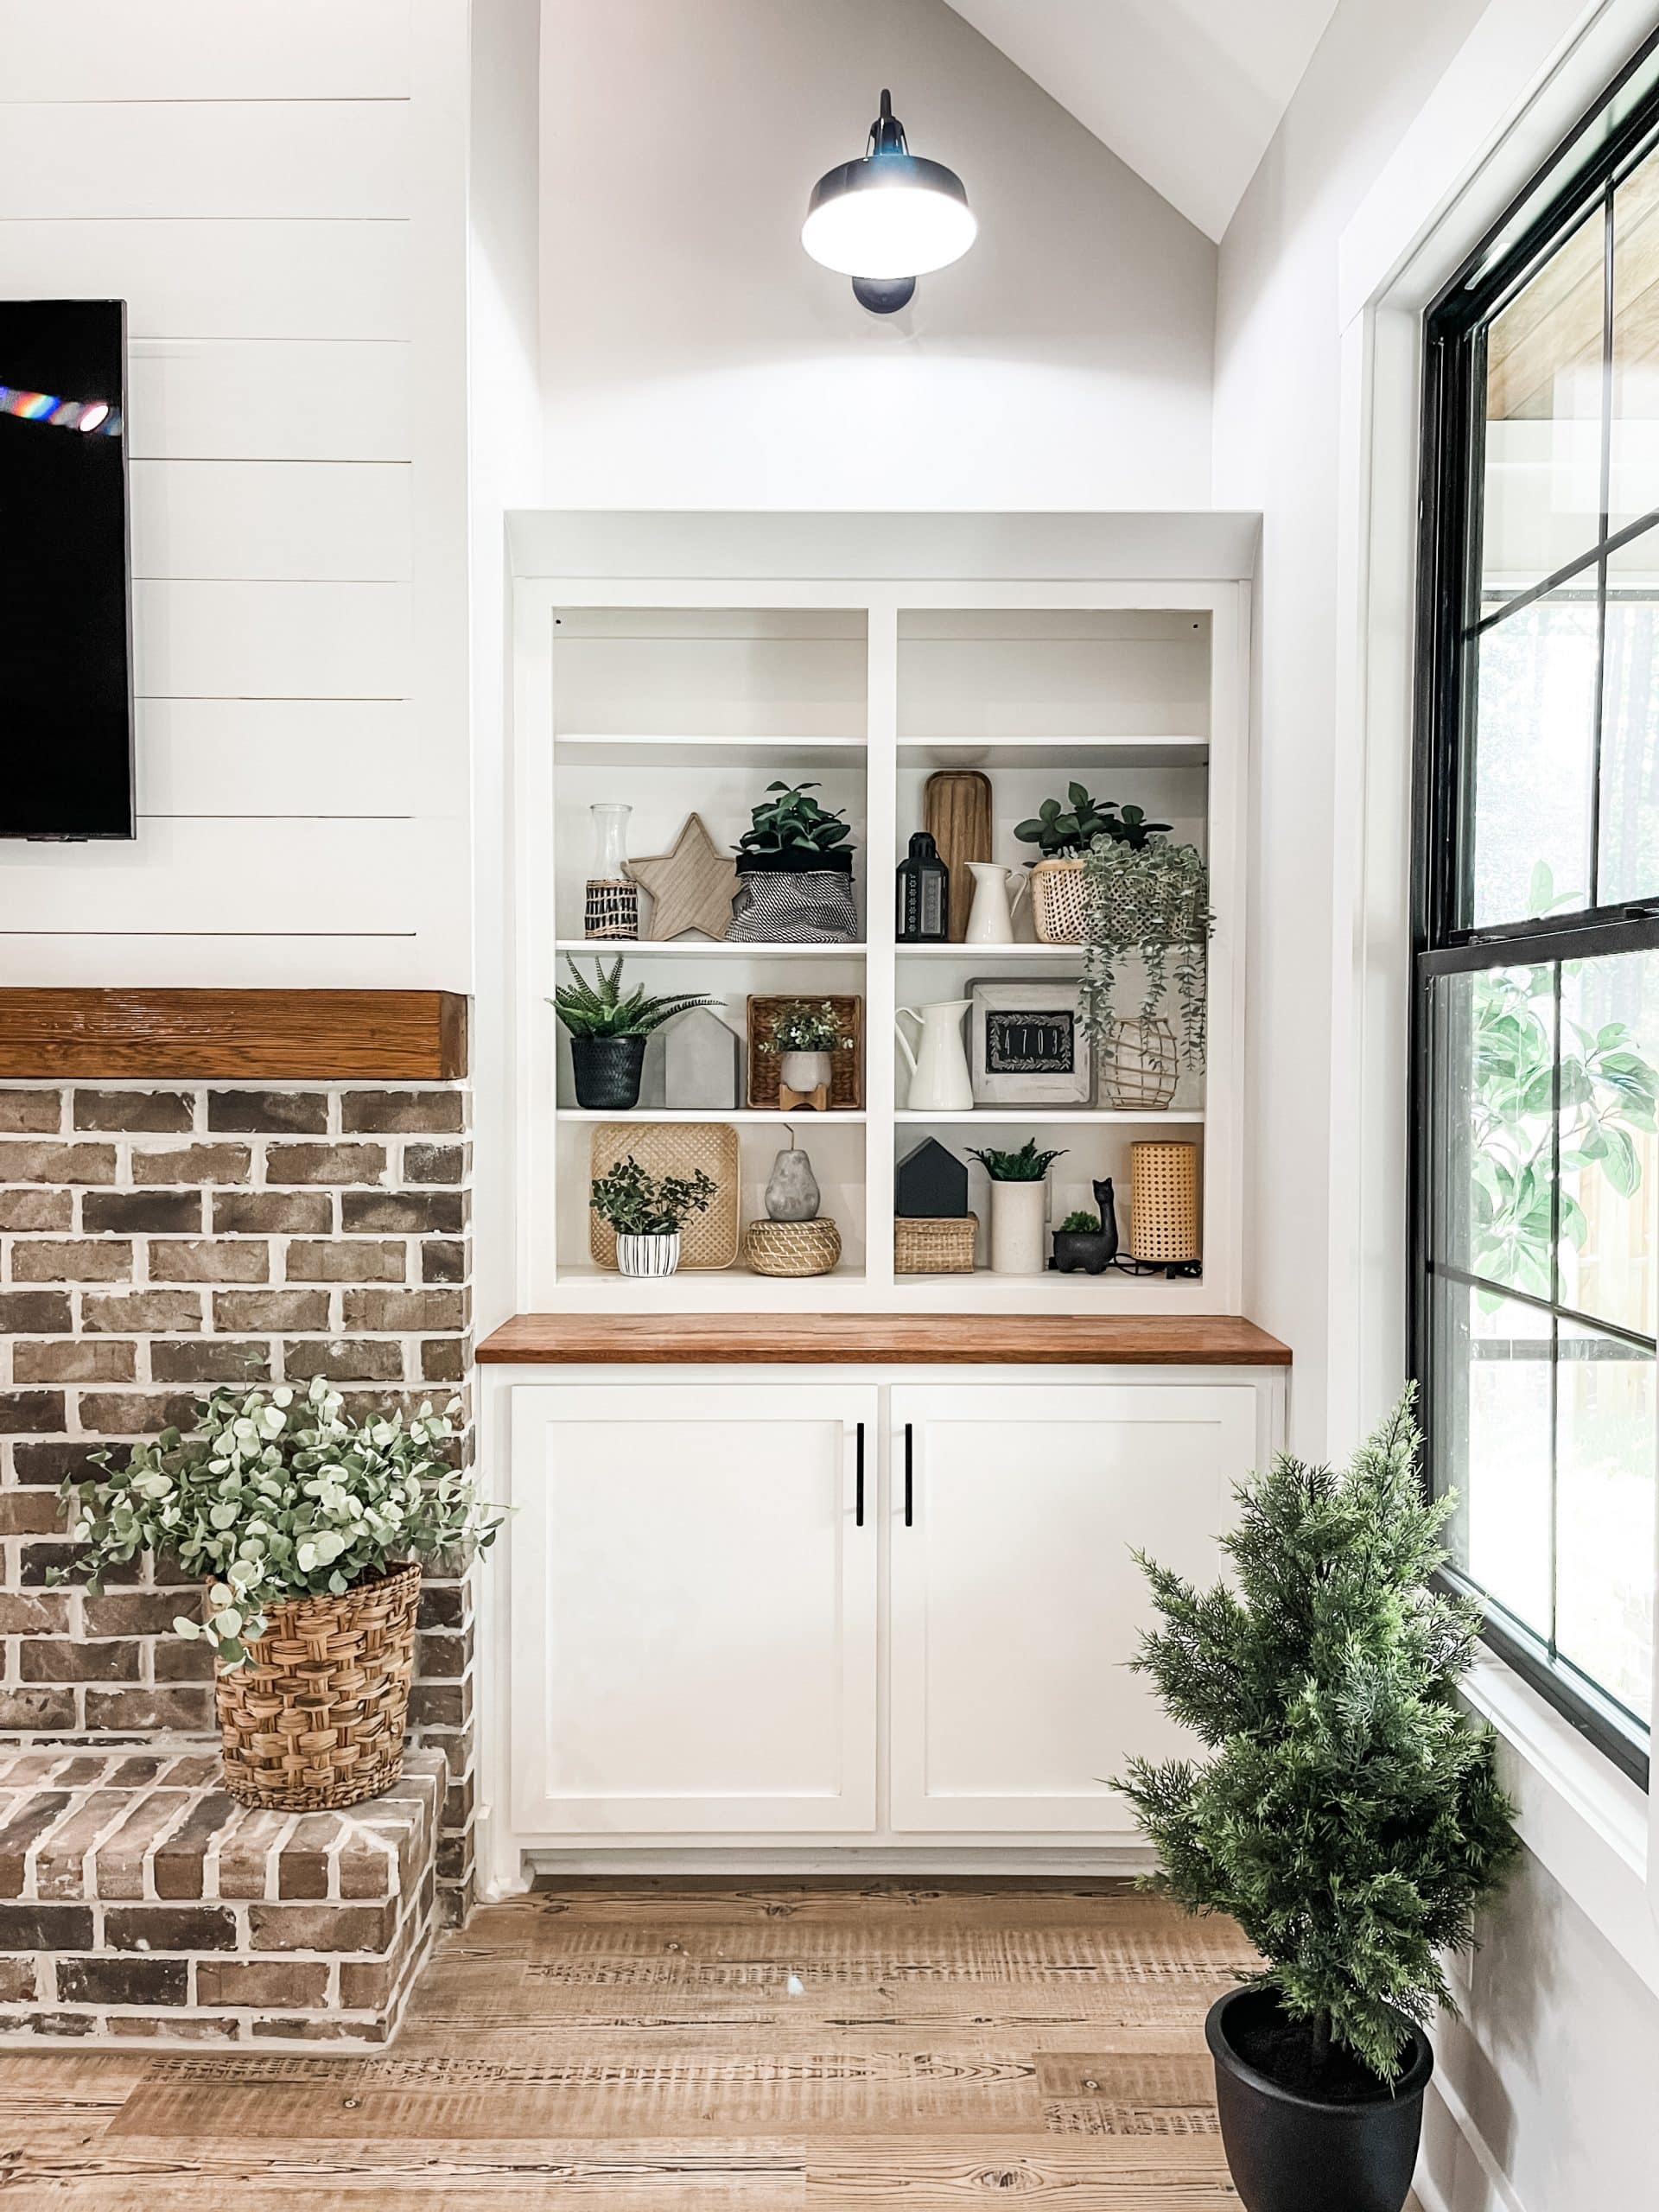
306,1528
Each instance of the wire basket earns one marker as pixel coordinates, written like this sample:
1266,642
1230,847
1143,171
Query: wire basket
1139,1065
926,1245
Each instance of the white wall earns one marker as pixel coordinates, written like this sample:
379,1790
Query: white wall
1549,2075
1277,390
505,440
277,190
1553,2064
694,357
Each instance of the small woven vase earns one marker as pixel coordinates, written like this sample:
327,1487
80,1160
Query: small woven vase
315,1718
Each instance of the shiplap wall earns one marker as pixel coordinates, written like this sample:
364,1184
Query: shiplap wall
278,190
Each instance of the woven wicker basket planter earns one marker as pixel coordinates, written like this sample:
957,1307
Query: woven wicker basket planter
1057,908
314,1720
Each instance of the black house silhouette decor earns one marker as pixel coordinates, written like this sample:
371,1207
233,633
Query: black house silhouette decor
929,1184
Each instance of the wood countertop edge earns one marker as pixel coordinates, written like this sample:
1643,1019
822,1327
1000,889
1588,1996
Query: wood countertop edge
881,1339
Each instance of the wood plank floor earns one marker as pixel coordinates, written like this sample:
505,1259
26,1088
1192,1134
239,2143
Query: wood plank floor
697,2047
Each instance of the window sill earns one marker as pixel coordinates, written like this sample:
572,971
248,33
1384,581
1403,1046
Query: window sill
1583,1820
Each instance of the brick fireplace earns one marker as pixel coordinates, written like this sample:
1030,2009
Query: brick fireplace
163,1233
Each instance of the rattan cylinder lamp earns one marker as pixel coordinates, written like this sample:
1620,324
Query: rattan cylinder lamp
1164,1202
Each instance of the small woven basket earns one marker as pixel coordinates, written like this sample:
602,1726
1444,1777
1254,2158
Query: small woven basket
313,1720
791,1248
1057,908
926,1245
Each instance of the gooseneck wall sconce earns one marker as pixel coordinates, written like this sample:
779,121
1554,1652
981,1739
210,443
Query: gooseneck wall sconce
888,218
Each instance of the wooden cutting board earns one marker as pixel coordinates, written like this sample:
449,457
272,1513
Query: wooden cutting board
957,812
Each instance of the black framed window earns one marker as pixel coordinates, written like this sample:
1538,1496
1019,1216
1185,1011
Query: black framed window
1535,1267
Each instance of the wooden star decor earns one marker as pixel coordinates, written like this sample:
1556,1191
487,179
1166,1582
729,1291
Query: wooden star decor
689,889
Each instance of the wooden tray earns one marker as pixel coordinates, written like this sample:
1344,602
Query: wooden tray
708,1239
846,1069
957,813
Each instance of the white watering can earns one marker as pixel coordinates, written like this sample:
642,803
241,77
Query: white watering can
939,1081
991,920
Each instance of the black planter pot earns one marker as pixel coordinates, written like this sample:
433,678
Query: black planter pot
1090,1250
607,1072
1293,2153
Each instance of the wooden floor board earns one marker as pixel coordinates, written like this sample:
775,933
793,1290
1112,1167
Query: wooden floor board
697,2046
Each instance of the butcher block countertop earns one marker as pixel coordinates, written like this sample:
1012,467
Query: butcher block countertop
899,1339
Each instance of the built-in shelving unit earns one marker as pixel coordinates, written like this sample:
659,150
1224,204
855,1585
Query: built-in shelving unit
691,694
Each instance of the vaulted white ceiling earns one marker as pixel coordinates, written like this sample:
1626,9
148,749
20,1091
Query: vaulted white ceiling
1188,93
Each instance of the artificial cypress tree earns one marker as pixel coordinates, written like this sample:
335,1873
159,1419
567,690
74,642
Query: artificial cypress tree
1349,1817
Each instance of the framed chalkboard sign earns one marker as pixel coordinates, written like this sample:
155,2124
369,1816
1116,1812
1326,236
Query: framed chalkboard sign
1028,1045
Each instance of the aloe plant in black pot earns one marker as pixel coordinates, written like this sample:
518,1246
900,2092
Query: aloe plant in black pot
609,1032
1348,1817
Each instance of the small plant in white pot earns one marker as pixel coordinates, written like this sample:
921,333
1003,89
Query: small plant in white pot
805,1037
307,1530
647,1213
1019,1206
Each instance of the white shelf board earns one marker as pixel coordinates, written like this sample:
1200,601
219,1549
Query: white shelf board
1049,1116
705,948
804,1116
1045,751
1061,953
668,749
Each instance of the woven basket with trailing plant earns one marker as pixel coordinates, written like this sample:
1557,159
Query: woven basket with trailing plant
307,1530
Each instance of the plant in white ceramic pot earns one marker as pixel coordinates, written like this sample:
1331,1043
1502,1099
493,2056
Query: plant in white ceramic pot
1019,1206
306,1528
647,1213
806,1036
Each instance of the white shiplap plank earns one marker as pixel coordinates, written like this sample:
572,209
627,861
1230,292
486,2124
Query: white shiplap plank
238,960
300,877
204,158
276,757
297,520
206,49
290,279
267,399
271,640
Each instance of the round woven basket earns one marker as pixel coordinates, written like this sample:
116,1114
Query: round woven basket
313,1720
791,1248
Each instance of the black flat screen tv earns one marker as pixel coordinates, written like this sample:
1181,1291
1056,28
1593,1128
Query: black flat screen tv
65,632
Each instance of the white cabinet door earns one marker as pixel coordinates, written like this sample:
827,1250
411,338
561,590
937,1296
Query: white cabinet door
1016,1603
694,1587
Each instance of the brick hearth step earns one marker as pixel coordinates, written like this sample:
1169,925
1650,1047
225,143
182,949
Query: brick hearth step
138,1900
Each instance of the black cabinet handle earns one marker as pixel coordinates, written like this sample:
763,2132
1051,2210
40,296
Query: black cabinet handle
909,1478
858,1506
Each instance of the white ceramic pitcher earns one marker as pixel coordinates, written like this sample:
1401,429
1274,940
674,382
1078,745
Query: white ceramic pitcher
990,919
939,1081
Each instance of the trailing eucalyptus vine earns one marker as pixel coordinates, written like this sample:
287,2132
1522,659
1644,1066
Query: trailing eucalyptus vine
1150,902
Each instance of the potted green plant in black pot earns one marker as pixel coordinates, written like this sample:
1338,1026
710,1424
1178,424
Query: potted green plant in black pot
1348,1815
609,1032
794,874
